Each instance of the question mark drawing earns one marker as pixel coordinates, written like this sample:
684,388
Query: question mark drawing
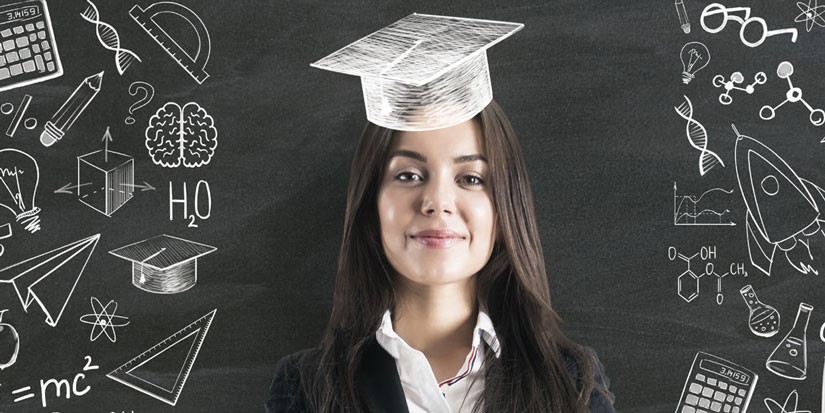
134,89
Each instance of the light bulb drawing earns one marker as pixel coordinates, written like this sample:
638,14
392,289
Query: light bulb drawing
794,94
19,177
695,56
737,78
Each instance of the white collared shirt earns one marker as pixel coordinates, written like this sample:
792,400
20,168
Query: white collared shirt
423,392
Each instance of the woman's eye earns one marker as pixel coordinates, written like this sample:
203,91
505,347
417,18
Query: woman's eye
407,177
472,180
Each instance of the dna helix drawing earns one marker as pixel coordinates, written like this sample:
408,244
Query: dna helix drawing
109,39
698,138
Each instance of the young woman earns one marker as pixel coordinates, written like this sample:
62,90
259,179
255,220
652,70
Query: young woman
441,299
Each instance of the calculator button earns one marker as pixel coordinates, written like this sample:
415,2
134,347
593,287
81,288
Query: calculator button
41,67
738,401
36,48
32,37
723,385
6,33
30,27
18,30
700,377
691,400
25,53
47,56
695,388
688,409
50,66
12,57
719,396
8,45
705,403
45,45
735,410
712,381
707,392
41,35
726,409
16,69
22,41
730,398
742,392
2,60
716,407
4,73
28,66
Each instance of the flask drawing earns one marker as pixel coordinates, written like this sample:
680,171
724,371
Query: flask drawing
764,319
790,358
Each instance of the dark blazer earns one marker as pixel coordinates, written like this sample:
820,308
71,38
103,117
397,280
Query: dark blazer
378,380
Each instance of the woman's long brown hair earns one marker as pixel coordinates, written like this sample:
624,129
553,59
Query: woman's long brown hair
530,375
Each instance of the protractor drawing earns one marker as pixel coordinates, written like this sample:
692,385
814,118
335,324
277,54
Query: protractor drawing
193,63
162,370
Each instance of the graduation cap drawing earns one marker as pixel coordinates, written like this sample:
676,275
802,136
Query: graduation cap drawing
164,264
423,72
49,279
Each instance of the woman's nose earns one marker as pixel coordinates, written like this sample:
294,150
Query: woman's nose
438,197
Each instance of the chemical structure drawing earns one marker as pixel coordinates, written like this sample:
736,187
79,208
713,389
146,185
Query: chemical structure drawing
688,281
736,78
794,94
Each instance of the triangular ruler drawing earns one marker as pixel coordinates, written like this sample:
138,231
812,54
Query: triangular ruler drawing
162,370
49,279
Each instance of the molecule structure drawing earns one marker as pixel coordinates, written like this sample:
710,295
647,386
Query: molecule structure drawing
736,78
794,94
688,281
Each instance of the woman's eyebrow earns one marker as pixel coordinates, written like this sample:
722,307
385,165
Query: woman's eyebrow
470,158
409,154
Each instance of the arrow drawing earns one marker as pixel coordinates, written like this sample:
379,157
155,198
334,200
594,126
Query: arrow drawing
145,187
107,137
67,189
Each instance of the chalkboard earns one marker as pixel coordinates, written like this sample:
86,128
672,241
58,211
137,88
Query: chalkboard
594,90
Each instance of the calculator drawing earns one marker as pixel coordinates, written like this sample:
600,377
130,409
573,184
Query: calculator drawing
28,52
716,385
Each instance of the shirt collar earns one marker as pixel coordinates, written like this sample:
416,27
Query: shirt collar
391,342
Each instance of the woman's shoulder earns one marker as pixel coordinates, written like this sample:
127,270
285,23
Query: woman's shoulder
601,399
285,392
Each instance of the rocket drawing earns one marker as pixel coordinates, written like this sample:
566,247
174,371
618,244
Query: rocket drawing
783,209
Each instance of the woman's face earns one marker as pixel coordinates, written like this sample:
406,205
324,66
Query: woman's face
435,206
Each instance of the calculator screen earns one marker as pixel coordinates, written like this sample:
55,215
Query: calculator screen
19,13
730,373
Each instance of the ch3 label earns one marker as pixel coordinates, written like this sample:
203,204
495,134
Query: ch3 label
202,203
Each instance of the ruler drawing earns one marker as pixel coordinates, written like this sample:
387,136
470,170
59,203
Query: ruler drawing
162,370
195,63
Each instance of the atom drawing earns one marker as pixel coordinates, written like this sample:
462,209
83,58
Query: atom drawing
810,14
788,407
103,320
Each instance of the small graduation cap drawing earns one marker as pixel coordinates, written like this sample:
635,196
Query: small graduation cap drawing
49,279
164,264
423,72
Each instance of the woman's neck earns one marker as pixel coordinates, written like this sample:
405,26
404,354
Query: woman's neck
437,320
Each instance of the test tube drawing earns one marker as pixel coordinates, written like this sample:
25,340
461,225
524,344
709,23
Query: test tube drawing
790,358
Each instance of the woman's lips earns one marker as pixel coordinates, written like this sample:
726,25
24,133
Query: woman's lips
437,238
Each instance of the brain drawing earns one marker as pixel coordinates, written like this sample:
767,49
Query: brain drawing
181,136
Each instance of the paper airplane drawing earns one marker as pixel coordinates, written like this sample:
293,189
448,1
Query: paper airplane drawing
49,279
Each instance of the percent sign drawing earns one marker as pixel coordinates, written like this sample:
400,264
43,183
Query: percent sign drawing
698,138
109,39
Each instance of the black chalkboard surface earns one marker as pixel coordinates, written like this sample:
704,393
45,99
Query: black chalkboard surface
167,280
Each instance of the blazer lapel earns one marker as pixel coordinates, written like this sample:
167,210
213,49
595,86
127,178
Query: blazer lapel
379,381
